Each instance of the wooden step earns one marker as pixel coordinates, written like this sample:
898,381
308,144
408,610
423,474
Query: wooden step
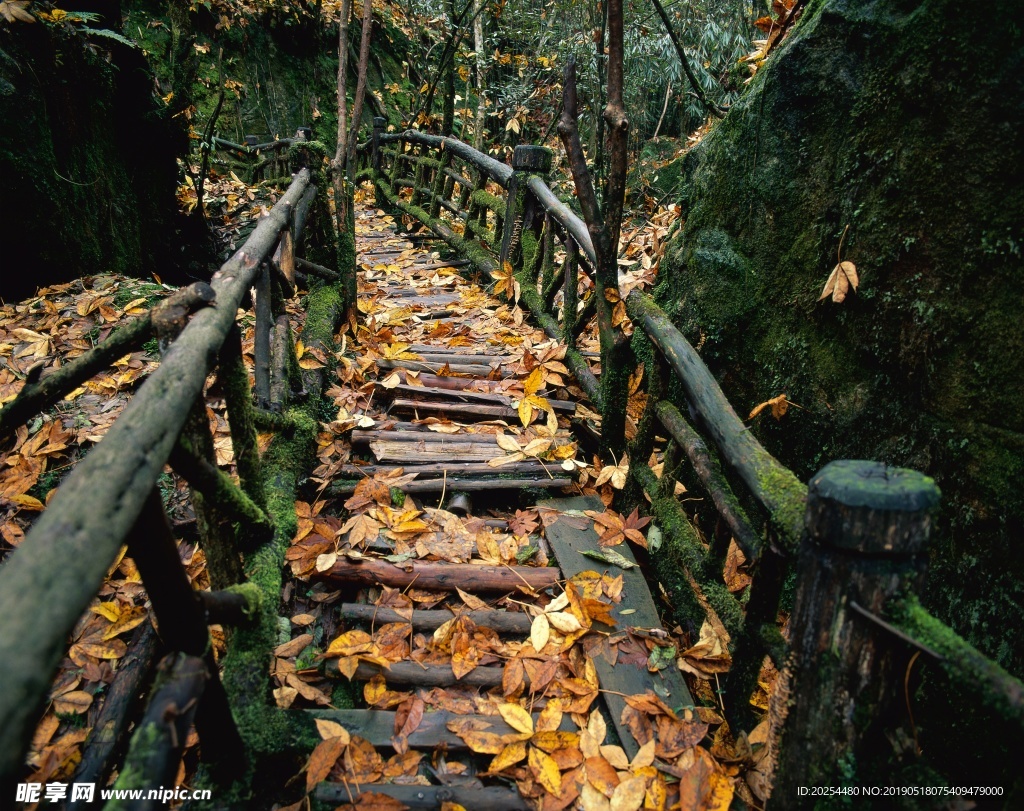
441,576
474,369
420,675
473,798
487,398
509,622
378,726
441,469
416,431
393,450
470,484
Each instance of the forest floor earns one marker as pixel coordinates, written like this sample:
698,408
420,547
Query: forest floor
453,422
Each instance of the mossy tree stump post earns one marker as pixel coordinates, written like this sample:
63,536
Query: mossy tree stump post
866,530
526,161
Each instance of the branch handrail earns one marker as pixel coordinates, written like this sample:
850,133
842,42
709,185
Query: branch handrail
100,505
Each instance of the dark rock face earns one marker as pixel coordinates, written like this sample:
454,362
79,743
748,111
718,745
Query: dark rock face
87,161
900,121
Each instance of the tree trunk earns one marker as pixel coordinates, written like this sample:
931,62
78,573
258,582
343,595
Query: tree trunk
338,164
357,105
448,115
604,225
481,75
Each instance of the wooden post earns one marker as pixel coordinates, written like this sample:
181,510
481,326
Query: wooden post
159,741
234,379
396,165
180,616
379,126
526,160
570,291
438,186
261,344
866,530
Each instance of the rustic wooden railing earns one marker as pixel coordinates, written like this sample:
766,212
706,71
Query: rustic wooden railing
110,499
258,160
854,538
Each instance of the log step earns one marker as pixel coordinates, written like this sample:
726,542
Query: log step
442,576
509,622
467,484
487,398
477,369
378,726
420,675
414,434
439,470
428,797
392,450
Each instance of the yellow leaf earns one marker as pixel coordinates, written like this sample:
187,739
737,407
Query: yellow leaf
509,756
546,771
629,794
110,611
77,702
114,649
534,382
644,757
564,622
516,717
485,743
540,632
331,729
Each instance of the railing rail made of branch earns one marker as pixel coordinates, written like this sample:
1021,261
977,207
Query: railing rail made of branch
507,220
110,499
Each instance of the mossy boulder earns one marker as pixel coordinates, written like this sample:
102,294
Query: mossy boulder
897,123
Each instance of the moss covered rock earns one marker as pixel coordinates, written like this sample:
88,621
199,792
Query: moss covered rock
898,123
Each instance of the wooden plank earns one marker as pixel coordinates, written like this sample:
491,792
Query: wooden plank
462,412
469,484
567,542
441,576
428,797
477,369
389,450
378,726
415,433
420,675
439,469
492,398
512,622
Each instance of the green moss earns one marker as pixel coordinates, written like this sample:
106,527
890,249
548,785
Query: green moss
145,741
488,200
786,497
993,686
530,246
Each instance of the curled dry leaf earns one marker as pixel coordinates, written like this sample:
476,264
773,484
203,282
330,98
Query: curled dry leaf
841,280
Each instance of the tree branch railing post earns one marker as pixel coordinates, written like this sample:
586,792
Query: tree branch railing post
867,526
526,162
379,127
